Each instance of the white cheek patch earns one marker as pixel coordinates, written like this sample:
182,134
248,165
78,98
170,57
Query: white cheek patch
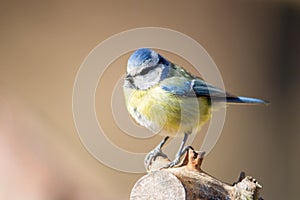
148,80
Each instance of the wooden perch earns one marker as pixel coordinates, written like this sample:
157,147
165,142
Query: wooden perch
186,181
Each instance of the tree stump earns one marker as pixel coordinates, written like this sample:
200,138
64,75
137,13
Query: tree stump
186,181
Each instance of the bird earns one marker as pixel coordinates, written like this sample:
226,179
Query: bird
166,99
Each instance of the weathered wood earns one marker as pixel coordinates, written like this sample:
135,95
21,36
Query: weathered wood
158,185
187,181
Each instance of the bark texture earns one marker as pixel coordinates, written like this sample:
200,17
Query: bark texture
186,181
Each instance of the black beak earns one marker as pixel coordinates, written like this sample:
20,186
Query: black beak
128,76
129,80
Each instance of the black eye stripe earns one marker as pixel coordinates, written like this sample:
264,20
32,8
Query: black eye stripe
146,70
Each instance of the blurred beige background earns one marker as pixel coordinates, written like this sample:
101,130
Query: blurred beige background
255,44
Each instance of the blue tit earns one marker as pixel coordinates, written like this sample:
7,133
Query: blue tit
165,98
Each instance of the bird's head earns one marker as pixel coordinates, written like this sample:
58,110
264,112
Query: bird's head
146,68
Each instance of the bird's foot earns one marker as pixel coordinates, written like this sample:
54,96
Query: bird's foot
178,156
156,154
173,163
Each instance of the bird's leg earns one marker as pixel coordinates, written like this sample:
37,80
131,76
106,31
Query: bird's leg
180,151
155,154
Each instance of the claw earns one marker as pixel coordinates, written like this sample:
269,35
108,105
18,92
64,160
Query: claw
154,154
176,161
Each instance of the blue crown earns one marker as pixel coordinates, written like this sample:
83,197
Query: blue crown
140,56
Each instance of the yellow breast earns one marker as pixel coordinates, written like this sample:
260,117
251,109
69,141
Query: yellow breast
164,112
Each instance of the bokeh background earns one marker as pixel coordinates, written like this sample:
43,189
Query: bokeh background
255,44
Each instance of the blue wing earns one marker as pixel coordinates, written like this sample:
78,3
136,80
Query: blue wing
190,88
199,88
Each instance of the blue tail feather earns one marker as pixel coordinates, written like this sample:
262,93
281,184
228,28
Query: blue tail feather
246,100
